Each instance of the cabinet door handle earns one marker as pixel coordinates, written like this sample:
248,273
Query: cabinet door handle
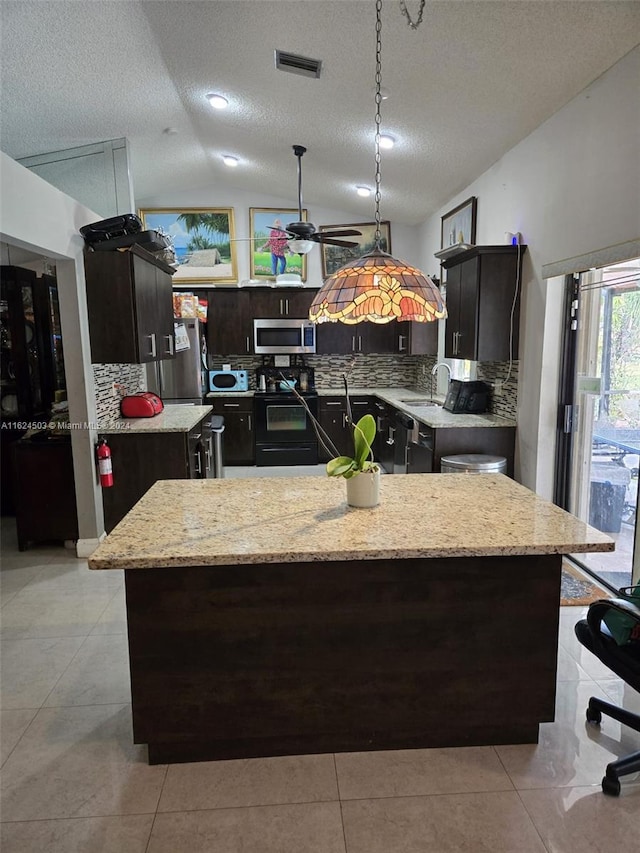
170,348
231,405
359,343
391,440
198,463
152,338
249,424
401,345
248,347
196,436
353,343
281,306
286,306
455,343
332,404
344,420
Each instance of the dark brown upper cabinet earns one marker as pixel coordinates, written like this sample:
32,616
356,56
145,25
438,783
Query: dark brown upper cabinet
229,322
483,284
273,303
130,304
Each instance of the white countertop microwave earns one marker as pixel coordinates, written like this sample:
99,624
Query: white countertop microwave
284,336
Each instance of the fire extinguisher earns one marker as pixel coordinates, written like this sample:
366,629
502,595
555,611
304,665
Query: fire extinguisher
103,452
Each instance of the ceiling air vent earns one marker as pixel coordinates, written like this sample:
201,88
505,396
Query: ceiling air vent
298,64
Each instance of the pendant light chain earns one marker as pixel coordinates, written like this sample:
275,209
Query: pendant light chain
378,235
413,24
377,288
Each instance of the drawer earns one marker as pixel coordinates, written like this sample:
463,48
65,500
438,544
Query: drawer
230,405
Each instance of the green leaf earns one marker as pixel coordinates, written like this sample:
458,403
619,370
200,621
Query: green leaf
363,435
339,466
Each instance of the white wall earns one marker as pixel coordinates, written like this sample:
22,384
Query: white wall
404,238
571,187
36,216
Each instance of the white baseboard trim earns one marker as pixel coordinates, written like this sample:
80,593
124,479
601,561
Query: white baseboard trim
86,547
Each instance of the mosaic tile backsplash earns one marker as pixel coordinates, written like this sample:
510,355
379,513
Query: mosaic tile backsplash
504,406
362,370
384,371
130,378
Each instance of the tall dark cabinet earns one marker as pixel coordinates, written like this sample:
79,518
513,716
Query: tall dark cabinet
484,285
32,363
130,304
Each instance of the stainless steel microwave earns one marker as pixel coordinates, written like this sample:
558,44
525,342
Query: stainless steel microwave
283,336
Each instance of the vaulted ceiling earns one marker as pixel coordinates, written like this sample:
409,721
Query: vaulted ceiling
472,81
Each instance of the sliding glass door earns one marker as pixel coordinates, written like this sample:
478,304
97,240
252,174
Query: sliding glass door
599,422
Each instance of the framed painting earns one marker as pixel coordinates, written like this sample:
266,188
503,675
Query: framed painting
459,224
203,239
333,257
270,253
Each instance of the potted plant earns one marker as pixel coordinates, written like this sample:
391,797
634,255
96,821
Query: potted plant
361,472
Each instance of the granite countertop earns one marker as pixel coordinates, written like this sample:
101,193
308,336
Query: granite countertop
400,398
213,395
306,519
173,419
433,416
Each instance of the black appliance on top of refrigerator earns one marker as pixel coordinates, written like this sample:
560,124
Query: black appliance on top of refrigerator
181,380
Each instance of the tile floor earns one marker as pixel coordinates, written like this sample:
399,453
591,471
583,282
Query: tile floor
72,780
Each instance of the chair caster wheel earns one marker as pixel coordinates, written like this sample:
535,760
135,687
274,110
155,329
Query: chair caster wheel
593,715
611,787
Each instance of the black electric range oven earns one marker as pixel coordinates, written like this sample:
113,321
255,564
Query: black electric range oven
284,431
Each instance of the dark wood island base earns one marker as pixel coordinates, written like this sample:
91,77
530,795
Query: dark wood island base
240,661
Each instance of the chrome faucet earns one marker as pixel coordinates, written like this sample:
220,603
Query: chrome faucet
434,370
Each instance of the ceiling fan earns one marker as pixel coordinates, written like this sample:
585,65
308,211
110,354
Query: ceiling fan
303,235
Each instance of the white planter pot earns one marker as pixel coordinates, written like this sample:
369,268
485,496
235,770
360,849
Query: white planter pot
363,490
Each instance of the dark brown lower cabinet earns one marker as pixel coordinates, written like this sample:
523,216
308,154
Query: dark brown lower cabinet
141,459
44,491
243,661
424,455
332,415
239,446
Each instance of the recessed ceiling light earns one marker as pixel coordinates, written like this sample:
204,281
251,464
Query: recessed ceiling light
229,160
218,102
386,141
365,192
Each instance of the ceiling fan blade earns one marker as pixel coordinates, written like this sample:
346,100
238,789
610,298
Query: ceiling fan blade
344,232
327,241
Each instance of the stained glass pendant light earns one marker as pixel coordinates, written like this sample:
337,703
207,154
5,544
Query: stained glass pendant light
377,287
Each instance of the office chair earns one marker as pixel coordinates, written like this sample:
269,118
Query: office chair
623,658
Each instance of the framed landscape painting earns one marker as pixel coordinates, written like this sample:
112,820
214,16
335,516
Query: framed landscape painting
333,257
204,242
270,254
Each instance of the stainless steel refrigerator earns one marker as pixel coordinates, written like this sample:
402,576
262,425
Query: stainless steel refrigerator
181,379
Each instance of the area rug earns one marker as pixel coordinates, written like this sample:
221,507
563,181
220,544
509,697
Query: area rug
576,590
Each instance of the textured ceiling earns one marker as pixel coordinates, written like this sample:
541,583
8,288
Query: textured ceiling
472,81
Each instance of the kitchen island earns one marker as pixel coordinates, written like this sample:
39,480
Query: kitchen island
266,617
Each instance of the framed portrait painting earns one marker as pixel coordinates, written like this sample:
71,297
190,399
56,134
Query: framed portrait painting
459,224
333,257
270,253
203,239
